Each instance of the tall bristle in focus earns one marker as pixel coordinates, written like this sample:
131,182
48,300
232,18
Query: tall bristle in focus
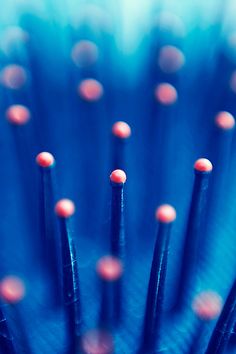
203,169
65,209
166,215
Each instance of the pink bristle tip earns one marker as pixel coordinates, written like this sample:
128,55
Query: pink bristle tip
18,114
121,130
165,213
166,94
45,159
225,120
203,165
118,176
90,90
64,208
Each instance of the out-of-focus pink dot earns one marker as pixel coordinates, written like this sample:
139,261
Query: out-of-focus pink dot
12,289
170,59
13,38
84,53
171,23
94,16
90,90
18,114
109,268
207,305
97,342
225,120
13,76
166,94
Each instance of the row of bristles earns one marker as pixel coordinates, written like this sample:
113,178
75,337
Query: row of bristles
207,305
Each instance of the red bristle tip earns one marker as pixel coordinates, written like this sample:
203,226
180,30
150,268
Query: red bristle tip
12,289
97,342
225,120
166,94
165,213
84,53
45,159
109,268
203,165
65,208
118,176
90,90
18,114
170,59
121,130
207,305
13,76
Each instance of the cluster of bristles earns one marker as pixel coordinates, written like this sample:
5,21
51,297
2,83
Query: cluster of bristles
110,268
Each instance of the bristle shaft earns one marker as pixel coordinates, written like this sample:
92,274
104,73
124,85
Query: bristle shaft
155,296
117,230
6,340
70,284
193,233
224,326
